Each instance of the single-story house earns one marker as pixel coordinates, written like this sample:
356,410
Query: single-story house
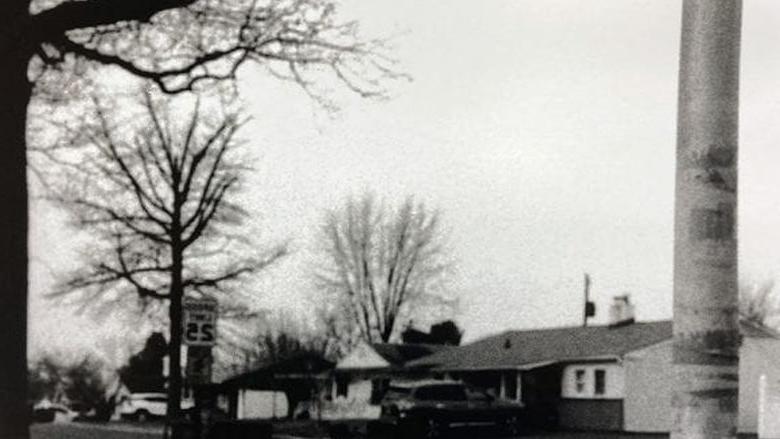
614,377
277,388
363,374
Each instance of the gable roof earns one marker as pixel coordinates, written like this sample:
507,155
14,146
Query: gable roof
532,348
384,356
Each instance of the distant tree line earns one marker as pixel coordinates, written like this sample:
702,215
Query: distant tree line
444,333
77,383
144,370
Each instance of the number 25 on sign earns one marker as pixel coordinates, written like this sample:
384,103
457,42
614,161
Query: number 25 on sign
199,334
200,322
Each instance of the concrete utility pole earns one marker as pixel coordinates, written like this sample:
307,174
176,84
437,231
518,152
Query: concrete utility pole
706,326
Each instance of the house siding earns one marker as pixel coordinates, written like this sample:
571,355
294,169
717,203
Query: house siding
613,385
360,390
648,400
586,405
649,375
591,414
757,356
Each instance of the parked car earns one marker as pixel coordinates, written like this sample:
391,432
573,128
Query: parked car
144,406
48,412
431,408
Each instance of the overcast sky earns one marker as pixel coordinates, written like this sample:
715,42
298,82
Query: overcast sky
544,131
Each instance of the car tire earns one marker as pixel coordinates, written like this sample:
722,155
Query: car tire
433,429
512,426
142,416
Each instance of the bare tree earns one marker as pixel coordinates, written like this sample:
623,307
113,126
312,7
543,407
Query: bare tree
706,311
160,199
179,44
269,339
283,337
183,44
77,381
758,302
383,266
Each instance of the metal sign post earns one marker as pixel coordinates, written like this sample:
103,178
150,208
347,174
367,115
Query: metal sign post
200,335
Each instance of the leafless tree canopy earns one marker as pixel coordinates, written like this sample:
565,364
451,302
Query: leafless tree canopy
77,381
284,337
181,44
158,196
384,266
178,44
148,189
271,338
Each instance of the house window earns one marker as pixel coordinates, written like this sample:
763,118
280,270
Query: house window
599,381
378,390
342,385
510,385
579,380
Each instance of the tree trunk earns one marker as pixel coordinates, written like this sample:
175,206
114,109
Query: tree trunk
175,317
15,90
706,326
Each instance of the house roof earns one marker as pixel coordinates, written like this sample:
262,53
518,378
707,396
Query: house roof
513,349
296,367
757,330
538,347
399,354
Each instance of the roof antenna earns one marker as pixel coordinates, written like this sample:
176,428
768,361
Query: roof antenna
590,307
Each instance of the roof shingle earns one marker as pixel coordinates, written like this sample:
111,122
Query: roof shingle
514,349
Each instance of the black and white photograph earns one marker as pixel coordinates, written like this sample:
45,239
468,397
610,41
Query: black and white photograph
376,219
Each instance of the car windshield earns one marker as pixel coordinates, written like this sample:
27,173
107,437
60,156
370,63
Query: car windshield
397,392
479,395
449,392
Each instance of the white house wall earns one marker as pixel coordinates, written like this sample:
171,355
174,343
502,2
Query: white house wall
614,381
356,405
757,356
360,391
646,407
649,378
261,404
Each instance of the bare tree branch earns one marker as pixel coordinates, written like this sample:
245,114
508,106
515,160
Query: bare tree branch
129,183
758,302
382,266
94,13
181,44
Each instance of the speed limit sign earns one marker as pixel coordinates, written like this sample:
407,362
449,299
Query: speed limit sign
200,322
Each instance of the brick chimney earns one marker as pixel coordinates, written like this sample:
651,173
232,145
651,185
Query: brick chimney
621,312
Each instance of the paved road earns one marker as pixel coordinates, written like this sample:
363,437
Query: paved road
112,430
78,430
150,431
